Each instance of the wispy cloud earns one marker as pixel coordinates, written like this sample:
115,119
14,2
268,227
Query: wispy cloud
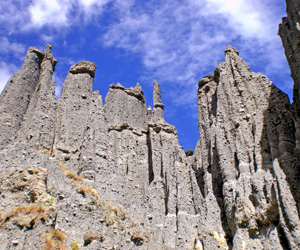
13,15
54,13
180,41
7,47
177,41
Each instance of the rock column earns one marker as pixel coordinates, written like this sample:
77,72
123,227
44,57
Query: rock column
17,94
158,107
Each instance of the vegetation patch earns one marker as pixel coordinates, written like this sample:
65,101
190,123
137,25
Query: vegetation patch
75,245
89,237
88,189
68,173
25,217
54,240
138,237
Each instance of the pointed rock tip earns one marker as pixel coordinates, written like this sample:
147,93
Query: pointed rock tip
48,55
156,86
205,80
119,85
231,49
84,67
116,86
35,50
48,48
138,86
156,94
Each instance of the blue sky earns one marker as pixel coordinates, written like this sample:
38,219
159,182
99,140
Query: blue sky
175,42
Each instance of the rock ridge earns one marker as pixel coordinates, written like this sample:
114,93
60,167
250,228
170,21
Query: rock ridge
82,174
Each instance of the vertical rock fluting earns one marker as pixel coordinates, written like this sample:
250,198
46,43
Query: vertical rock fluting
124,154
289,31
158,107
74,107
113,175
246,153
148,167
17,94
40,118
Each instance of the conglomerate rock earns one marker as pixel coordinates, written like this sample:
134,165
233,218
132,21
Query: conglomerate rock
115,176
289,32
78,173
245,156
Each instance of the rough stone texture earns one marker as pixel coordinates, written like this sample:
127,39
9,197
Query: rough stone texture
115,174
42,106
77,173
17,94
289,32
245,155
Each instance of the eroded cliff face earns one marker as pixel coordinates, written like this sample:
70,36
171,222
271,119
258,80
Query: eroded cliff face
246,156
289,31
112,176
78,173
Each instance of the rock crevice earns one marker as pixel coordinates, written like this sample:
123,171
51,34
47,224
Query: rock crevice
77,172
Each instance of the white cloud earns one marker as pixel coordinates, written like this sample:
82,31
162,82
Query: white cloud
53,12
93,3
7,47
47,39
180,41
64,13
13,15
244,16
177,41
6,71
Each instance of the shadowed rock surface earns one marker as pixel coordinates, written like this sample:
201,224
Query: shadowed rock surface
77,173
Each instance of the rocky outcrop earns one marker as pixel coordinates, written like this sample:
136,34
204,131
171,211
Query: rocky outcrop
78,173
289,31
17,94
114,171
246,156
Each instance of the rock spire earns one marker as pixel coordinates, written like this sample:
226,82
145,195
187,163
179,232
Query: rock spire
79,173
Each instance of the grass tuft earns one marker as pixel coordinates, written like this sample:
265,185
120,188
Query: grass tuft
68,173
89,237
85,190
54,239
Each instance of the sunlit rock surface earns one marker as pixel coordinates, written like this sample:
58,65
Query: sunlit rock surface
78,173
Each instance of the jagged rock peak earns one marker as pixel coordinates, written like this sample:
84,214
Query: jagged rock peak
34,50
48,55
158,106
138,86
289,31
84,67
116,86
246,158
156,94
231,49
17,94
204,81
